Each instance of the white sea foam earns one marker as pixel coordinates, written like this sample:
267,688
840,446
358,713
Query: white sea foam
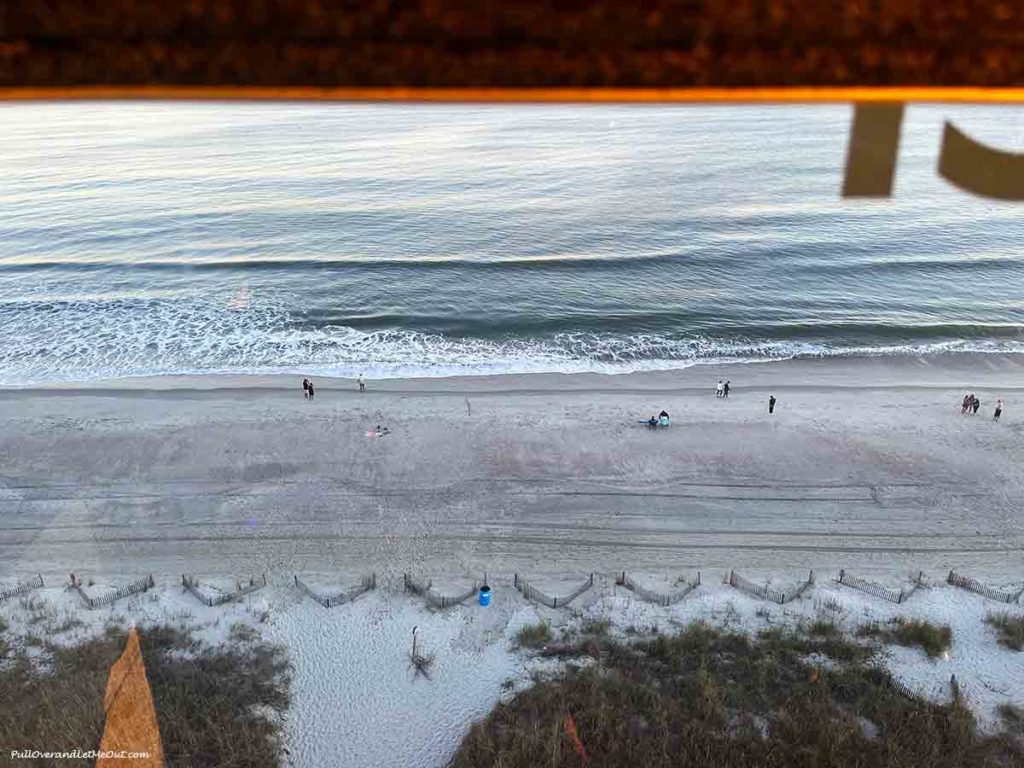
83,340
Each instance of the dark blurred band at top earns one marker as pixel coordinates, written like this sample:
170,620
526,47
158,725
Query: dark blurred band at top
463,44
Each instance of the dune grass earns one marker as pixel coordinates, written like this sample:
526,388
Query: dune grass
708,697
213,702
1009,629
933,639
533,635
1013,718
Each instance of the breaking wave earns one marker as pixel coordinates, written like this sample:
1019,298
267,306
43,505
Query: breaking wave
80,340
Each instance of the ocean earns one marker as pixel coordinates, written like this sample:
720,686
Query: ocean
429,240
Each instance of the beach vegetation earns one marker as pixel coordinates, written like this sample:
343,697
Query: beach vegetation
933,639
1013,718
216,705
533,635
598,627
1009,629
709,696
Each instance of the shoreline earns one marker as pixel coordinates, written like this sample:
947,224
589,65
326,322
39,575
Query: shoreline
989,370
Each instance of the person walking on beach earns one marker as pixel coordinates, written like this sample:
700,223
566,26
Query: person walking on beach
362,384
771,404
719,389
305,388
975,405
725,389
999,409
311,392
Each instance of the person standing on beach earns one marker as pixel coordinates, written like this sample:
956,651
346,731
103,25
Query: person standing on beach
719,389
362,384
999,409
771,404
305,388
725,389
311,392
975,405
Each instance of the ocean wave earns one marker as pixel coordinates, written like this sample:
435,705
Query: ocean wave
87,340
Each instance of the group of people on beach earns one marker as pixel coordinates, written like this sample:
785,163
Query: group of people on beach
661,420
308,391
722,390
971,404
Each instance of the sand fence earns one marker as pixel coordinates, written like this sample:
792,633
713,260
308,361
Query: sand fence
531,592
907,692
878,590
212,596
664,599
135,588
192,585
338,598
959,580
425,590
21,589
765,592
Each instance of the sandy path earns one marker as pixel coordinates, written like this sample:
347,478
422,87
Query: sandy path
864,465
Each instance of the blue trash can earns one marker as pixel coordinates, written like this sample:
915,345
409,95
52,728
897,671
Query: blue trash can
485,595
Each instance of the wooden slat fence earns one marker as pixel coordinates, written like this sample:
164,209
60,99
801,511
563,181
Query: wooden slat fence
426,591
531,592
192,584
905,690
664,599
765,592
955,690
886,593
974,585
21,589
329,601
135,588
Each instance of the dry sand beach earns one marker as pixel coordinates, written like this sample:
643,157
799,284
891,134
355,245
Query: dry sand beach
866,464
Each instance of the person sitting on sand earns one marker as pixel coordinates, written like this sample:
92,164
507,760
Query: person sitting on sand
652,423
663,418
